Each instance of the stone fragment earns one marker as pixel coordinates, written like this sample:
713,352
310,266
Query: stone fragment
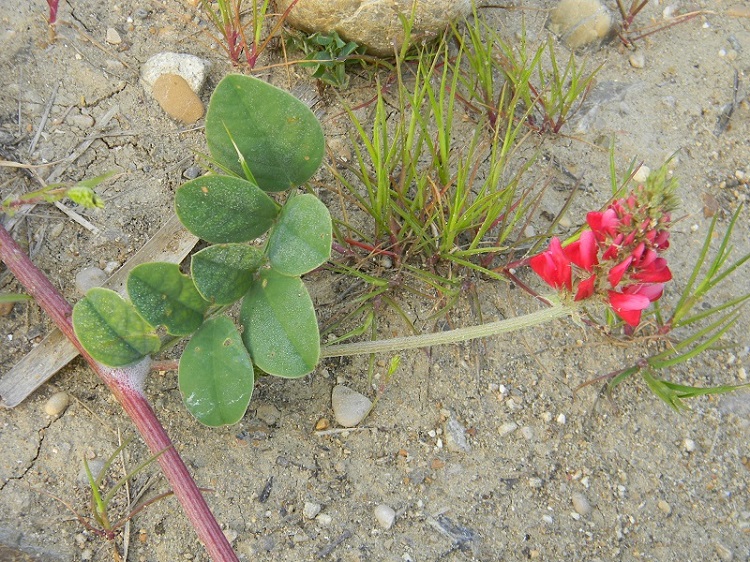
375,24
112,37
385,516
177,99
311,509
349,406
193,69
455,437
581,503
580,22
88,278
57,404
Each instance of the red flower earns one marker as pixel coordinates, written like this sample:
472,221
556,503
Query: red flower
553,265
633,300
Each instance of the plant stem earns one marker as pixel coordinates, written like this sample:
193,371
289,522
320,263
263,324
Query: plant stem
556,311
126,384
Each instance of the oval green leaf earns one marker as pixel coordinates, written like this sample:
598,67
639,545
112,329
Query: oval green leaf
277,135
224,272
216,374
166,297
280,327
301,238
224,209
111,329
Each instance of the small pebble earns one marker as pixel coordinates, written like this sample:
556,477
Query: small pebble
506,428
664,507
581,503
57,404
324,519
561,419
192,172
193,69
637,60
88,278
177,99
527,432
535,482
311,510
455,437
689,445
385,515
112,37
322,424
6,308
231,535
641,174
349,406
565,221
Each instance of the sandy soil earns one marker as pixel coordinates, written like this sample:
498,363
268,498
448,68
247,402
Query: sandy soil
659,486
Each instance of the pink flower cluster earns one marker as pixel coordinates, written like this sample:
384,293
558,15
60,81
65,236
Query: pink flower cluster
617,257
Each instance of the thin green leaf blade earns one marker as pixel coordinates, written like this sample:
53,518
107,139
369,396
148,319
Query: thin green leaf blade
279,137
111,329
221,209
216,376
166,297
280,327
224,272
301,238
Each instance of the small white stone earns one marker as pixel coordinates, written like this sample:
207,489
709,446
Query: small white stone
349,406
689,445
385,516
641,174
506,428
561,419
112,37
311,510
57,404
581,503
637,60
193,69
324,519
664,507
547,417
742,373
565,221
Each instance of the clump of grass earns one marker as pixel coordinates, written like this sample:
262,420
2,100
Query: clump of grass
328,55
227,17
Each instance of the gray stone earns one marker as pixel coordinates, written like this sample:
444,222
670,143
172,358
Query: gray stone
375,24
385,516
455,437
88,278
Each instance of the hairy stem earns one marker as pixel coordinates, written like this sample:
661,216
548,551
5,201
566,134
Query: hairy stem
450,336
126,385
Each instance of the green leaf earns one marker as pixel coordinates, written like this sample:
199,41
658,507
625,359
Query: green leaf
216,374
279,137
111,330
224,272
166,297
224,209
14,297
280,327
301,238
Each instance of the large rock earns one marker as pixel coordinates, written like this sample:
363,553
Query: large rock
375,24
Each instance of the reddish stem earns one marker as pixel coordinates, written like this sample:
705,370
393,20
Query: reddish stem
126,385
53,4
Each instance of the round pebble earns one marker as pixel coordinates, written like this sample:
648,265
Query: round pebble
581,503
509,427
268,413
311,510
349,406
57,404
385,516
177,99
689,445
637,60
88,278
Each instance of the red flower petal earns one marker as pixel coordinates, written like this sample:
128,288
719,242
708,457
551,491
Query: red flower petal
657,272
628,306
583,251
586,288
615,274
553,265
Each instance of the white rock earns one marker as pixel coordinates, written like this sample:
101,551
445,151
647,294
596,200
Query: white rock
375,24
57,404
349,406
112,37
88,278
455,437
193,69
506,428
641,174
689,445
581,503
311,510
385,516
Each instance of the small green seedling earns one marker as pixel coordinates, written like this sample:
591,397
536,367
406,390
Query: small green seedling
261,140
329,56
